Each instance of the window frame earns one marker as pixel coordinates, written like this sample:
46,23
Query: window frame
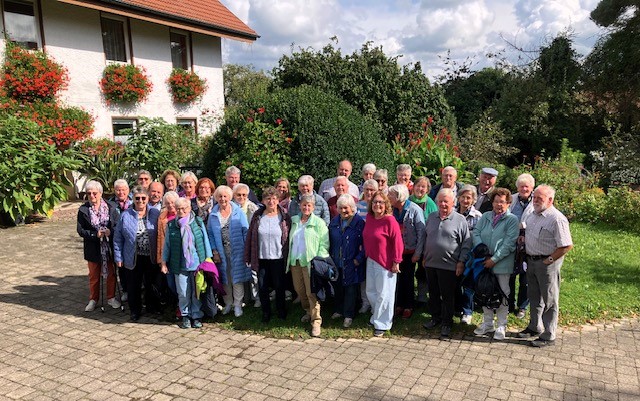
188,61
126,37
188,122
37,13
122,120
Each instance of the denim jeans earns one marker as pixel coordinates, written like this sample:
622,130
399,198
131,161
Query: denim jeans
187,302
346,298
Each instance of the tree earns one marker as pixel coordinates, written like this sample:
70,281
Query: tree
242,82
398,99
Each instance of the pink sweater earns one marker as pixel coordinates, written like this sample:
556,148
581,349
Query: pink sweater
383,240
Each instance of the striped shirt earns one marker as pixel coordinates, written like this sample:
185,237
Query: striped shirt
547,231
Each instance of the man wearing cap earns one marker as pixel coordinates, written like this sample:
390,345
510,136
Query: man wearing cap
486,185
547,239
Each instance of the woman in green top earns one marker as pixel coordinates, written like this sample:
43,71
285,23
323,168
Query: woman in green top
309,237
420,197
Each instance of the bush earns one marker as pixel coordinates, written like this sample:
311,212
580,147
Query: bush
326,130
124,83
32,171
156,145
105,161
620,208
186,86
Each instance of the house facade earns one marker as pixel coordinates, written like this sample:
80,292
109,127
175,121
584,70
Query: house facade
86,36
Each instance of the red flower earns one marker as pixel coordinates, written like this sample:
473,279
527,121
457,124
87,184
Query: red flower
429,120
278,121
260,110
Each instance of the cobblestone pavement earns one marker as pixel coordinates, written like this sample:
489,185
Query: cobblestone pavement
51,349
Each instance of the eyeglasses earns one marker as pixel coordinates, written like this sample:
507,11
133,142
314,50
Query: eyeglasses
182,208
378,202
143,179
92,193
381,181
243,195
140,198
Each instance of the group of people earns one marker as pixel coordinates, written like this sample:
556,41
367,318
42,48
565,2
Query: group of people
381,238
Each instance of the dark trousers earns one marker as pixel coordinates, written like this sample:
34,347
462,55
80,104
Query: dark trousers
346,298
442,288
271,275
123,274
405,286
154,283
523,298
134,283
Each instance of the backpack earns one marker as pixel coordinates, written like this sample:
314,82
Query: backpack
488,292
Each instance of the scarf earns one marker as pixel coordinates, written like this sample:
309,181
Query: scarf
100,220
188,245
422,202
496,217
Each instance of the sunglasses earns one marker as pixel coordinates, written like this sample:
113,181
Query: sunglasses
138,198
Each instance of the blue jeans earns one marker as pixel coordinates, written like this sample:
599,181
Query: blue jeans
187,302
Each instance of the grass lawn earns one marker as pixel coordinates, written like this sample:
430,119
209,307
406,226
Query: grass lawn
600,281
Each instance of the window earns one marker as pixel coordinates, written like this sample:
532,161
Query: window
20,23
179,51
113,39
121,124
189,124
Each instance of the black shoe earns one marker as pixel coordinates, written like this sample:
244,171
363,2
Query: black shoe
135,317
539,343
526,333
431,324
265,318
445,332
282,316
378,333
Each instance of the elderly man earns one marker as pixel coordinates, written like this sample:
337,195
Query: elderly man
486,185
327,191
521,207
144,179
156,191
547,239
305,187
445,251
341,185
449,176
232,176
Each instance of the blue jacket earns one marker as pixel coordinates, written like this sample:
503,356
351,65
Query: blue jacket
345,246
124,240
238,227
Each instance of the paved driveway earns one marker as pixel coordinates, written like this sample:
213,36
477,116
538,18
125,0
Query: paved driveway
51,349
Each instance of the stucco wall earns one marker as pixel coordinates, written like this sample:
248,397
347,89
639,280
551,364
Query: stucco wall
73,37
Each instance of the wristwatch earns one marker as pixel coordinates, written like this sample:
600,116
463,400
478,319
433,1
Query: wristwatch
550,259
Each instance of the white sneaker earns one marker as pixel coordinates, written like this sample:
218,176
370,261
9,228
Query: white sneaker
227,309
364,309
124,297
114,303
466,319
347,322
336,316
91,306
258,304
237,311
500,333
306,318
482,330
287,295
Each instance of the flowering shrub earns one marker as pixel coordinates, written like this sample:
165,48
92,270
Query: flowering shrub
186,86
427,152
31,75
124,83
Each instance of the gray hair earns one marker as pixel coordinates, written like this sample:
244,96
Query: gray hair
182,202
382,173
120,183
403,167
171,196
420,179
305,179
525,178
400,191
308,198
220,190
469,188
240,186
231,170
139,189
93,185
370,183
146,172
346,200
188,175
445,192
368,168
450,168
341,178
548,189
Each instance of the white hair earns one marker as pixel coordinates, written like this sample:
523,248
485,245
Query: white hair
346,200
469,188
120,183
547,189
382,173
403,167
370,183
220,190
341,178
305,179
93,185
445,192
240,186
231,170
400,191
182,202
170,196
188,175
368,168
525,178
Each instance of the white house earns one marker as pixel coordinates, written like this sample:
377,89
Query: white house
159,35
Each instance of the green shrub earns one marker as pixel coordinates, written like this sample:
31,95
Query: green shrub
105,161
156,145
32,171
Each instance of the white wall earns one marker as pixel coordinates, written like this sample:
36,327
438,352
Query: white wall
73,37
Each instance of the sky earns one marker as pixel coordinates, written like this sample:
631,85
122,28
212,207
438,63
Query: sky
418,31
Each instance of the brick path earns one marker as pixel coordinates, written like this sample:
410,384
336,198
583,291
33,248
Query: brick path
51,349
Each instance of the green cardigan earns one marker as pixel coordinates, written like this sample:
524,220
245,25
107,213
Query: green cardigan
316,238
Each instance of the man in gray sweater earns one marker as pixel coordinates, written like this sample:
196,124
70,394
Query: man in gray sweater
445,251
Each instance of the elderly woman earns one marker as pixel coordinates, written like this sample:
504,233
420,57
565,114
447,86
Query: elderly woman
134,247
284,192
369,188
347,251
498,229
382,178
308,238
121,195
167,214
241,198
305,187
411,220
403,176
185,247
266,250
188,183
420,197
383,247
96,221
367,174
202,204
227,229
170,180
521,207
341,186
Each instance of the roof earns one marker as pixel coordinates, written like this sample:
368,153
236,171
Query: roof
207,15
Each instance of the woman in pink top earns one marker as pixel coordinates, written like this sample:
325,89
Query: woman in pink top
383,247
